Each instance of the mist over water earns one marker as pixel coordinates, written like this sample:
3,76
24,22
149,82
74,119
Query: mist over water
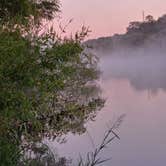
144,72
135,85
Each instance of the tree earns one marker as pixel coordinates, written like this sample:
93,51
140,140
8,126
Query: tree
44,80
133,26
149,18
20,10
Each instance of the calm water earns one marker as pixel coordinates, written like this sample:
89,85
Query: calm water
135,86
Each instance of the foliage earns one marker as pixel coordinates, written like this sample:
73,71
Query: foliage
46,84
42,155
139,34
149,18
9,153
20,11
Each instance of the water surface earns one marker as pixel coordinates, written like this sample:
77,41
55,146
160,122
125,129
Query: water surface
135,86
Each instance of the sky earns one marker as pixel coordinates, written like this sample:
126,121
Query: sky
107,17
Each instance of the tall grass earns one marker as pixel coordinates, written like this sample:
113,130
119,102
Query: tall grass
93,158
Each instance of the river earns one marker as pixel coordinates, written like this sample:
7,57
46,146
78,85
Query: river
134,86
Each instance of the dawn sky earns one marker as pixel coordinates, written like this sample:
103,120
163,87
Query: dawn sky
106,17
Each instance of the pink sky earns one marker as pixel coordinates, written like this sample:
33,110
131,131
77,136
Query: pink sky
106,17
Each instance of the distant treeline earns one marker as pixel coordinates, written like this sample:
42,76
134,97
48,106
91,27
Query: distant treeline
149,33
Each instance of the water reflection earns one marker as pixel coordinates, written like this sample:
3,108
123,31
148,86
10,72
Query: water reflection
143,72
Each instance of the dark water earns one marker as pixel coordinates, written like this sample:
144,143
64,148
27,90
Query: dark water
134,86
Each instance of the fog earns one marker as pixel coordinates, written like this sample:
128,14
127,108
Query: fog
144,72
